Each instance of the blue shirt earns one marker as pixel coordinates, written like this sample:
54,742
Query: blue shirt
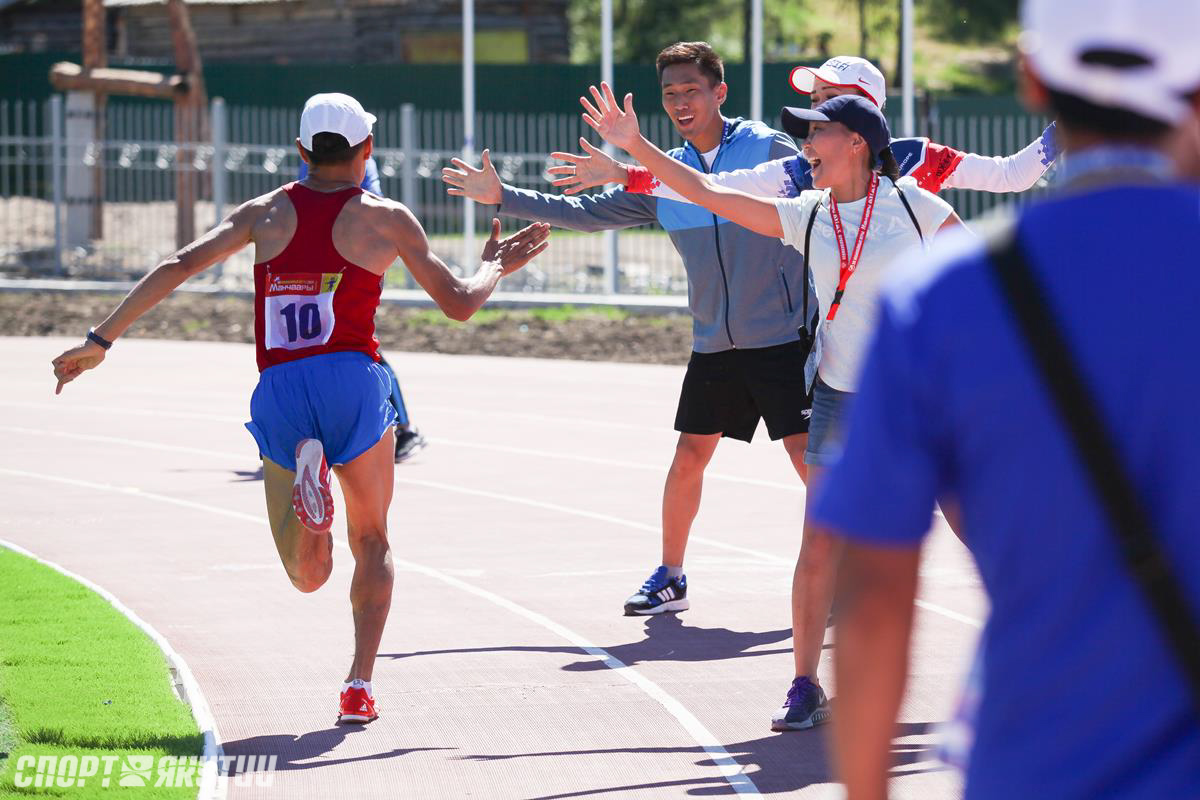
1081,696
370,180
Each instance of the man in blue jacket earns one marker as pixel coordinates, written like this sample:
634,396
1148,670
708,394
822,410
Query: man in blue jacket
745,293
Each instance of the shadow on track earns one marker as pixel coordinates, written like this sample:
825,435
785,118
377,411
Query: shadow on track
294,751
777,763
667,639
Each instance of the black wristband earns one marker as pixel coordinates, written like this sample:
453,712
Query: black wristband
98,339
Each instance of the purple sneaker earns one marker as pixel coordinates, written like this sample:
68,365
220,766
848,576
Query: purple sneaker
805,707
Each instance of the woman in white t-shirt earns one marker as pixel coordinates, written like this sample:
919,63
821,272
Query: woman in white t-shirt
862,219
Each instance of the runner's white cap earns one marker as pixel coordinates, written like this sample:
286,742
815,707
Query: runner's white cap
334,112
1138,55
844,71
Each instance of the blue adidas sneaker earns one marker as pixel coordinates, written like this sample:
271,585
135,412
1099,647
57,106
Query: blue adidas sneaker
805,707
659,594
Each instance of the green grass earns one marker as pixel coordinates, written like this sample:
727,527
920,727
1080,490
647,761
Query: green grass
77,678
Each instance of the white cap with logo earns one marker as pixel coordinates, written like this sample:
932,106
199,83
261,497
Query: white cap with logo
846,72
1139,55
334,112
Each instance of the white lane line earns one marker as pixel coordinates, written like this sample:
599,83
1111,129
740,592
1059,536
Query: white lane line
93,437
213,786
578,512
946,612
733,772
769,558
798,487
491,395
137,412
446,487
728,766
576,422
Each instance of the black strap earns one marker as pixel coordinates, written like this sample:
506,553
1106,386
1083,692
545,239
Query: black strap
92,336
1130,522
812,218
908,208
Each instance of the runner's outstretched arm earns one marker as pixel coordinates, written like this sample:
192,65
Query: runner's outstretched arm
620,127
460,298
231,235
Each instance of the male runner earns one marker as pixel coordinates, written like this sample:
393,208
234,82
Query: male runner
322,246
745,293
935,166
408,439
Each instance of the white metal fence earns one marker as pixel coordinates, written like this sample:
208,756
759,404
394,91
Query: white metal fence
74,206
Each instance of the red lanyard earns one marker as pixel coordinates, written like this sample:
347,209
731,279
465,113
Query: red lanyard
848,265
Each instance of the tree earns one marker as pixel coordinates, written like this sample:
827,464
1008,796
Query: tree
970,20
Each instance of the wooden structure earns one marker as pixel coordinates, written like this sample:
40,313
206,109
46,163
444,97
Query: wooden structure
185,89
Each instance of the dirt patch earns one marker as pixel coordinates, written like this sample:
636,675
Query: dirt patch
601,335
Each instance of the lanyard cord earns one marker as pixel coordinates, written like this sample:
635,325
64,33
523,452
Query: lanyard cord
849,263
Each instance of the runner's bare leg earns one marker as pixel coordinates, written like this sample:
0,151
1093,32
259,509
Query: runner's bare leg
367,484
307,556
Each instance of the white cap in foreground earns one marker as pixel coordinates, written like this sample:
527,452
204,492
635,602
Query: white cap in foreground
1139,55
846,72
334,112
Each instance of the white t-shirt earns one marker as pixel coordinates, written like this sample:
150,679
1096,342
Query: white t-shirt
844,341
710,156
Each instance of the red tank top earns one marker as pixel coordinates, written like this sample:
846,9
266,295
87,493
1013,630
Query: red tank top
308,300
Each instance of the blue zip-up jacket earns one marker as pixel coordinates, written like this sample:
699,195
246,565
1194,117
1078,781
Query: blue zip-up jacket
744,290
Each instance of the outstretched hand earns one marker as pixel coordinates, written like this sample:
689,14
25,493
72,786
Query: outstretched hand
617,126
587,171
74,362
481,185
517,250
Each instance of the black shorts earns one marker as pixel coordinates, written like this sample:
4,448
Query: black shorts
728,392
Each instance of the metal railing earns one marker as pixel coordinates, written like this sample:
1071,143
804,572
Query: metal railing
72,205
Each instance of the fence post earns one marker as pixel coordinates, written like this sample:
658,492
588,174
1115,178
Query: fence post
408,169
220,176
82,153
56,177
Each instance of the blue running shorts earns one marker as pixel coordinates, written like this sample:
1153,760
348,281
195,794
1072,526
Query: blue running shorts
340,399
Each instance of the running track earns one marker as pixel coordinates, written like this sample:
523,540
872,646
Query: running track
507,669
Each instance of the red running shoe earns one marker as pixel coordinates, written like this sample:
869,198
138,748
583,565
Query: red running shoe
357,706
311,498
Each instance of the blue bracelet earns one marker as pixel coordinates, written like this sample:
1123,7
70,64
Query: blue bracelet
98,339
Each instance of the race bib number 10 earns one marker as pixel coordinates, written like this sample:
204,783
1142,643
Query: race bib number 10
299,309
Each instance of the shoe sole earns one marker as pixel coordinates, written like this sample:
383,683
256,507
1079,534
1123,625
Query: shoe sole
312,499
681,604
818,717
359,718
410,452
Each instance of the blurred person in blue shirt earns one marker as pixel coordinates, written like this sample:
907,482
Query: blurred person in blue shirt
1082,696
408,439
